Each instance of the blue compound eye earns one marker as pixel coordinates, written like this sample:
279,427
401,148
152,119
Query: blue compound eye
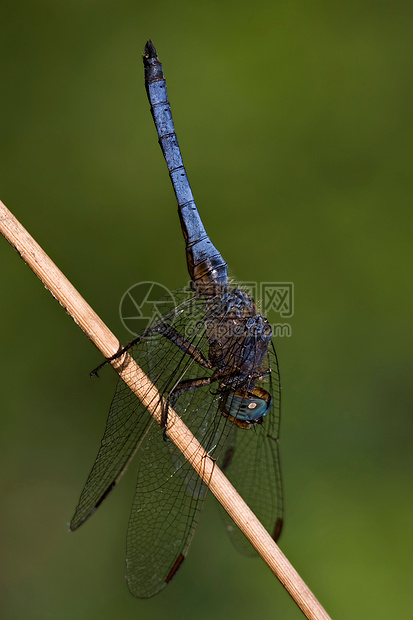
249,407
255,408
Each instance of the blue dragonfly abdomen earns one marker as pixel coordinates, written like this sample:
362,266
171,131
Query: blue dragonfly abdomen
205,264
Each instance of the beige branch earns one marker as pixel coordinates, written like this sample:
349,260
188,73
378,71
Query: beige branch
108,344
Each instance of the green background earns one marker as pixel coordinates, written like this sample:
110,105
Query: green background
296,128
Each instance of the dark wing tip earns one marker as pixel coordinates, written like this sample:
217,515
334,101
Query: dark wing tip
150,51
277,529
80,517
175,567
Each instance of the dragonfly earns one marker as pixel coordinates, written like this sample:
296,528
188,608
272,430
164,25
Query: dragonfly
212,360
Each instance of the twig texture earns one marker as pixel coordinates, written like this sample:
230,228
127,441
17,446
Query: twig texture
108,344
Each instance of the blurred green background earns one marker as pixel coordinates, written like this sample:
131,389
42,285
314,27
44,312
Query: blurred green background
296,128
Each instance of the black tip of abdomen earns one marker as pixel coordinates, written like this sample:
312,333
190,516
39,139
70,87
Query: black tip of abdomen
150,51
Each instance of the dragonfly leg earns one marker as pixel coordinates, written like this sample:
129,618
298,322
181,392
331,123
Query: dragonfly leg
116,355
183,386
164,330
255,376
182,343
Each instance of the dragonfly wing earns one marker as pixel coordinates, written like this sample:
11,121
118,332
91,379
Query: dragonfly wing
127,423
252,464
169,495
128,420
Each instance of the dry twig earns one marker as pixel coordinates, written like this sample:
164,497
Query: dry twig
126,367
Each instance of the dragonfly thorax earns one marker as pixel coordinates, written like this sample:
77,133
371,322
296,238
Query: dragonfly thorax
238,339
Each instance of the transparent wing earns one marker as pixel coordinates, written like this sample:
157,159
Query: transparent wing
128,420
127,423
169,494
252,464
169,497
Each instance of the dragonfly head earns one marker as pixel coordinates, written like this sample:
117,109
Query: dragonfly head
246,408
